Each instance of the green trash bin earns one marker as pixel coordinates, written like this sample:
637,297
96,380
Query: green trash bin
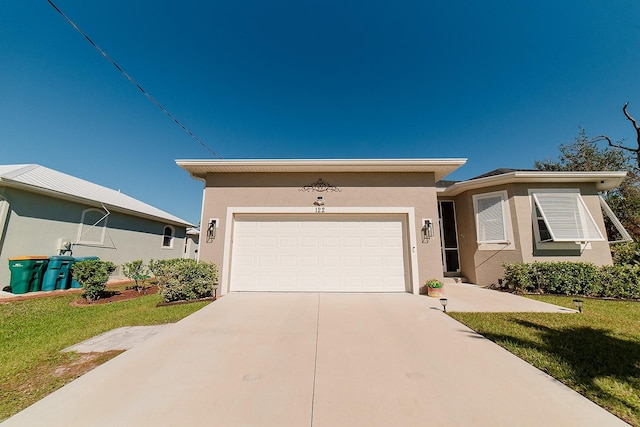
26,273
74,282
57,275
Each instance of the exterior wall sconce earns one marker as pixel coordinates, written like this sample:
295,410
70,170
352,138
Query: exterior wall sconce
444,302
319,201
212,228
578,303
427,230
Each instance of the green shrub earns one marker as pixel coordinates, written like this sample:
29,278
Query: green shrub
184,279
93,276
575,278
136,271
160,267
626,253
519,276
620,281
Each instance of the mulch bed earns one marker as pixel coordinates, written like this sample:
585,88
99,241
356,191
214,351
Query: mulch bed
164,304
115,296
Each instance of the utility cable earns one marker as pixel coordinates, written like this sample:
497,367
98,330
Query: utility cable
136,84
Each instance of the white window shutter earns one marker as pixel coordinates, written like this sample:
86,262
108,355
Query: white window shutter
567,217
490,219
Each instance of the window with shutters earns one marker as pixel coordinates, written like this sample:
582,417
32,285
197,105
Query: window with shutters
561,216
493,222
92,228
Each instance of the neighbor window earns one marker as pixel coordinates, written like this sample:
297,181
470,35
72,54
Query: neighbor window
561,215
167,237
92,228
492,217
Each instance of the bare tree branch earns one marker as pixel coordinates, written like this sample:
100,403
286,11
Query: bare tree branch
611,144
636,126
635,123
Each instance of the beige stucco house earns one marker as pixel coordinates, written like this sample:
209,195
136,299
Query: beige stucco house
389,225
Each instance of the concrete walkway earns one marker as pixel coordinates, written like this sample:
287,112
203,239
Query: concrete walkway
124,338
467,297
316,360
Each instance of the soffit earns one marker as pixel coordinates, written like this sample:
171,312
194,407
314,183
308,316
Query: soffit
439,167
602,180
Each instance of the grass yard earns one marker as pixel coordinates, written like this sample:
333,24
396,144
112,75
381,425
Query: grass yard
596,353
32,333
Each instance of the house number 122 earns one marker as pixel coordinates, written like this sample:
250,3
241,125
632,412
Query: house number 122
320,209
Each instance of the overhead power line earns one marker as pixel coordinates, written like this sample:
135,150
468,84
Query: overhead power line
135,83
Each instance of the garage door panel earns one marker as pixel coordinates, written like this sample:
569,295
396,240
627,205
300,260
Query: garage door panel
352,261
319,254
330,242
309,262
372,242
309,242
287,262
266,242
329,262
266,261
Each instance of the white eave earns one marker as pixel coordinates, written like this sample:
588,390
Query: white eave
439,167
602,180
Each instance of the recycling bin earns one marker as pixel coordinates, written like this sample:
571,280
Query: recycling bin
26,273
74,282
58,275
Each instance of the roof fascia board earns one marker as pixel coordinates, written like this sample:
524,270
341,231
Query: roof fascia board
440,167
604,180
63,196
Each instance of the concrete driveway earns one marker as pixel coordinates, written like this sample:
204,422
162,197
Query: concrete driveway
316,360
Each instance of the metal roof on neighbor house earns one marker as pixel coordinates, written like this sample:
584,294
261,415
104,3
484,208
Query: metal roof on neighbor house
39,179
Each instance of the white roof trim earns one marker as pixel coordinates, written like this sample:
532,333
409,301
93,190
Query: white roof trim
39,179
603,180
440,167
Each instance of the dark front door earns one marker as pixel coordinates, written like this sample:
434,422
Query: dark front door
449,236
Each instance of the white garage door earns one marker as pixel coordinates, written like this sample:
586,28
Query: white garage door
327,253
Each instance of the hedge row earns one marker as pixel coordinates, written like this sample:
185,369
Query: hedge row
574,278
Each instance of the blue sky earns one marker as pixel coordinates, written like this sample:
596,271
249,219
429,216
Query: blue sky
501,83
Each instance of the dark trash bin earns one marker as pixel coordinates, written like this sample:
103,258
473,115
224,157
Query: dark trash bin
26,273
58,275
74,282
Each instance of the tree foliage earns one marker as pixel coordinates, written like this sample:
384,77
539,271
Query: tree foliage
585,154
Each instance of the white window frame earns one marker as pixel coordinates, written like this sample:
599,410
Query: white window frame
83,228
173,237
506,220
560,244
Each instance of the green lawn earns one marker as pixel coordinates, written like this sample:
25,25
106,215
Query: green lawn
32,333
596,353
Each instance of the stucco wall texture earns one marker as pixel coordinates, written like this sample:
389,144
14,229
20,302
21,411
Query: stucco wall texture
483,266
357,190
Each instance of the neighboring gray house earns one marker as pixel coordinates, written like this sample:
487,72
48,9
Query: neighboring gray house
44,212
